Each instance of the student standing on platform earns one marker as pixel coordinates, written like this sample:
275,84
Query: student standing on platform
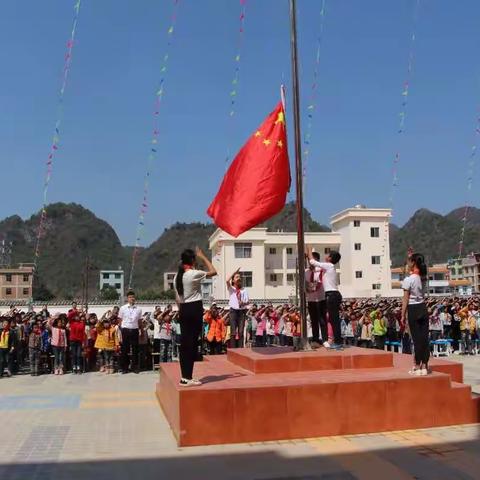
189,298
130,317
332,295
415,310
238,304
316,302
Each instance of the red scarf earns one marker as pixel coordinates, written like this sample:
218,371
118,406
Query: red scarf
187,267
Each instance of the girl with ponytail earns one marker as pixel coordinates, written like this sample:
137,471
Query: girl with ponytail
189,299
415,311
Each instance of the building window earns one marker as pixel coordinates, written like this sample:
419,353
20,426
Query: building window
243,250
375,259
8,277
118,276
289,251
358,274
290,277
106,276
273,251
25,277
8,291
376,286
375,232
273,277
118,286
247,279
26,291
459,271
356,223
358,246
327,250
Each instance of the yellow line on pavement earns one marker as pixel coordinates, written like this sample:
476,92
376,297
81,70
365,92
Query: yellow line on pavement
361,463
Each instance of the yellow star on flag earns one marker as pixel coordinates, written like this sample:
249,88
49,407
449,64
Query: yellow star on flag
280,118
267,142
280,144
258,133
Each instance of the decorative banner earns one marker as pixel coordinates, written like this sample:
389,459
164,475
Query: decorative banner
401,129
234,87
312,99
470,172
152,156
405,92
56,134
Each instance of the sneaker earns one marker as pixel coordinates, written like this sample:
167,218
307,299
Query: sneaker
415,371
195,382
56,371
326,345
185,383
423,372
336,346
9,373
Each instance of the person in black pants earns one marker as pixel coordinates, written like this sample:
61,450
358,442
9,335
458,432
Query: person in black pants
415,309
130,316
189,299
316,303
332,295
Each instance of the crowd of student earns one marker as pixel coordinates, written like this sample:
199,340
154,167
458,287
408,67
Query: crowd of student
39,342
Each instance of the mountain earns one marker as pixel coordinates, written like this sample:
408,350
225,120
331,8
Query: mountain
286,220
435,235
71,233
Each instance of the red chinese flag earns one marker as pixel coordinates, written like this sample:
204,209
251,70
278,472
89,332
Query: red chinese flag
255,186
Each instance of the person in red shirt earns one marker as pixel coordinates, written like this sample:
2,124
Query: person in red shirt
76,328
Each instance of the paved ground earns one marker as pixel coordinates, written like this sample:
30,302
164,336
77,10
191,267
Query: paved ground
111,427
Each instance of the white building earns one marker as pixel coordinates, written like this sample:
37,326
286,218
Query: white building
268,260
206,285
114,279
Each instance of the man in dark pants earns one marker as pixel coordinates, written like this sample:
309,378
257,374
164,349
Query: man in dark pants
316,302
130,317
332,295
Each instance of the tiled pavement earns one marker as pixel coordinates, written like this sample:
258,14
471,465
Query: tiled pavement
111,427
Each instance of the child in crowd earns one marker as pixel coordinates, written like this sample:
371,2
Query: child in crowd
35,347
6,348
216,329
106,343
58,342
76,330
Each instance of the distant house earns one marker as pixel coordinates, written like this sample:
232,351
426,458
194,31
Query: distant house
114,279
16,283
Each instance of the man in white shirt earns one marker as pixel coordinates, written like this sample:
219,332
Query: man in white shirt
130,317
332,295
316,302
238,304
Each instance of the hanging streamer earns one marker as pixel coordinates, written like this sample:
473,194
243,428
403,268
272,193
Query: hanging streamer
401,127
152,156
56,133
234,86
312,99
470,172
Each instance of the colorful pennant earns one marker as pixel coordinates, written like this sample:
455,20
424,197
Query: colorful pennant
152,156
312,99
470,172
56,133
235,83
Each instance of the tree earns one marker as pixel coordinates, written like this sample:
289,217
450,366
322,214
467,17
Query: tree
109,293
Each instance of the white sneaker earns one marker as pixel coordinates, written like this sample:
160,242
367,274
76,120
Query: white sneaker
185,383
326,345
195,382
423,372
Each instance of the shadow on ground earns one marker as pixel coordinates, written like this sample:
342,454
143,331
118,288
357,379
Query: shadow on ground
445,461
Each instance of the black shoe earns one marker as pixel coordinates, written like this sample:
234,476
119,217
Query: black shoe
124,372
137,371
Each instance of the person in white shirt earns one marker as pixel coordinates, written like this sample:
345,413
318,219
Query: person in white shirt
415,310
130,316
332,295
189,298
238,304
316,302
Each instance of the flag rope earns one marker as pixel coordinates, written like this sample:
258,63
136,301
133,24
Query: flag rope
235,83
56,133
152,156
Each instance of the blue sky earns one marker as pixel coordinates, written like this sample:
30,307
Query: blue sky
115,70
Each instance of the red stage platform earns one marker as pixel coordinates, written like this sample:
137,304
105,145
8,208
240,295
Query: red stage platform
277,394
